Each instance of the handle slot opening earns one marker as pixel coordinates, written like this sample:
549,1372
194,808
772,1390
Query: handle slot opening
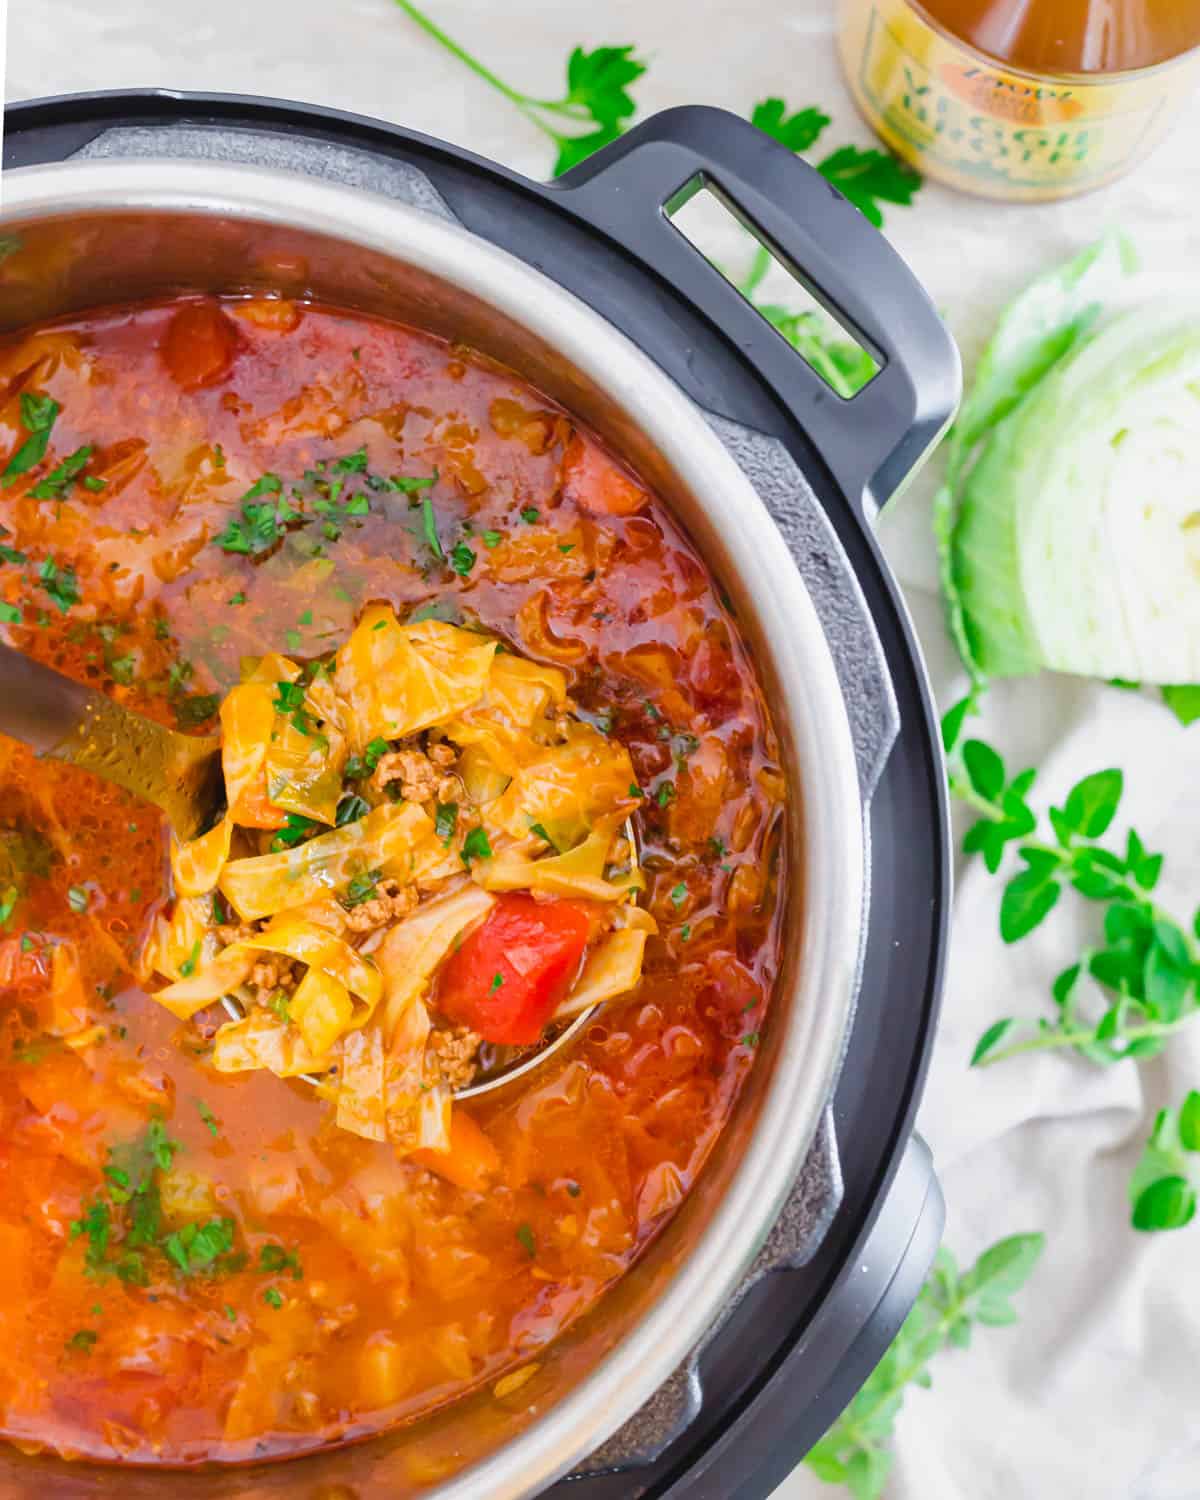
712,223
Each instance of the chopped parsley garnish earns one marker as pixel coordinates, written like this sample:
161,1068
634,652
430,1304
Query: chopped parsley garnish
277,1001
294,831
83,1341
679,895
273,1297
665,794
11,555
429,526
476,846
260,524
540,830
446,820
122,668
352,463
350,809
405,485
529,515
362,887
77,899
359,766
497,981
462,559
59,480
188,967
492,539
208,1117
685,932
751,1039
238,598
10,613
717,847
274,1258
528,1243
60,584
38,416
635,790
122,1223
196,1247
565,547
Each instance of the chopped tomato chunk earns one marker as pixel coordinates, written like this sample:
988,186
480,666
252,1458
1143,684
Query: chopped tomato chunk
510,974
199,345
598,483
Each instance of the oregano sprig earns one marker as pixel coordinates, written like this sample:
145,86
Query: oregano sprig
1162,1190
856,1451
1146,966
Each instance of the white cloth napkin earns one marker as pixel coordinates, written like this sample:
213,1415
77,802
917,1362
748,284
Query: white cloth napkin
1092,1395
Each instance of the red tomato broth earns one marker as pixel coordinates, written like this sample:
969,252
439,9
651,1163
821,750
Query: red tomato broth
413,1290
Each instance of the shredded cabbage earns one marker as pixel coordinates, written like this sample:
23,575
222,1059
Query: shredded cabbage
398,839
398,679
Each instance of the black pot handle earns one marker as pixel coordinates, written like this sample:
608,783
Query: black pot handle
870,442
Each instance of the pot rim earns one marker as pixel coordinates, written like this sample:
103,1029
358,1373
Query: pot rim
832,863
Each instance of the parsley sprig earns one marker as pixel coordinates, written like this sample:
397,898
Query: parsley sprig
856,1451
868,177
1145,970
594,106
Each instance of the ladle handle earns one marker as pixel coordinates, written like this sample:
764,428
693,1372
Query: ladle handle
38,705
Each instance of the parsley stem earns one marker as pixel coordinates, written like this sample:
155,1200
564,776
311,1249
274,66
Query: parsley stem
523,102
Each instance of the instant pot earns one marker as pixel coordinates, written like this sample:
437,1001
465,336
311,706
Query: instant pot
748,1325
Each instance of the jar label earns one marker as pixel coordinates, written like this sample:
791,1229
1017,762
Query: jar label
955,114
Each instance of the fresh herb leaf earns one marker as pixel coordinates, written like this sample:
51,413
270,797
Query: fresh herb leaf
261,523
429,525
274,1259
445,820
476,845
59,481
797,131
210,1120
295,831
38,416
462,559
856,1451
595,105
679,895
1184,702
362,887
869,177
497,983
529,515
188,967
60,584
83,1341
1162,1189
492,539
350,809
273,1297
528,1243
197,1247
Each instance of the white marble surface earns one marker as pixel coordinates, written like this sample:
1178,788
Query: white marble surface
1092,1398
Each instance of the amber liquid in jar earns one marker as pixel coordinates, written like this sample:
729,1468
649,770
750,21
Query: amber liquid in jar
1021,99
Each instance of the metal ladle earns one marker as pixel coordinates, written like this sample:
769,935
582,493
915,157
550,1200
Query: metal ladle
180,774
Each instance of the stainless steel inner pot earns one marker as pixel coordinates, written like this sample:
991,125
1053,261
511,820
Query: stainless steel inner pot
110,232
